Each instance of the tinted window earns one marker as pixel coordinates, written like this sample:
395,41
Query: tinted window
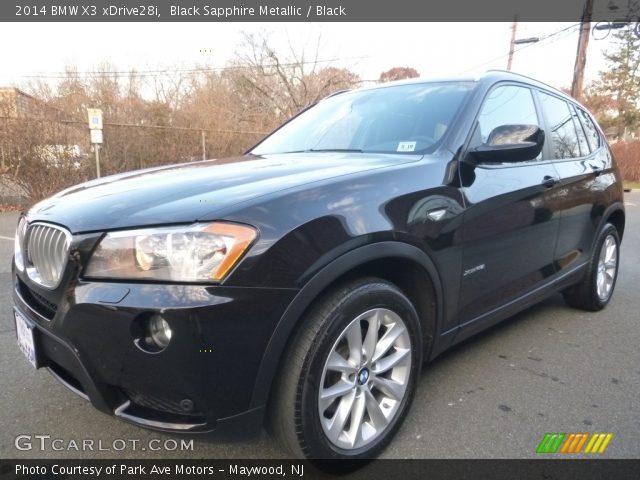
404,118
582,139
562,130
508,105
590,129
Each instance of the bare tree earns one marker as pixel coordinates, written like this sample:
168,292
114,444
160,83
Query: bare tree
398,73
172,116
285,84
37,155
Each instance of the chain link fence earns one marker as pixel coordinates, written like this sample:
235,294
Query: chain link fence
39,157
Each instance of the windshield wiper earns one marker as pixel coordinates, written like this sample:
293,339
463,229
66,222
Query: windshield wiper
348,150
319,150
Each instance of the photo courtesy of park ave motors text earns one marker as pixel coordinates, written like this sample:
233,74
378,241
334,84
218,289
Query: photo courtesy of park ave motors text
319,240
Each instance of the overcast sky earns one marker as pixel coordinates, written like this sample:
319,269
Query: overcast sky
434,49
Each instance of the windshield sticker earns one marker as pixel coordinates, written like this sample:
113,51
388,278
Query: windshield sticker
406,146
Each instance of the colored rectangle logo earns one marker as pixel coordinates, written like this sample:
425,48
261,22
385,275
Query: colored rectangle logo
574,442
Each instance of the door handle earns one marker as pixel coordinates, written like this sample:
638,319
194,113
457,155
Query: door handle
549,181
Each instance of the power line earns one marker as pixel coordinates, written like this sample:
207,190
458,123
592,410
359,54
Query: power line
543,39
151,73
133,125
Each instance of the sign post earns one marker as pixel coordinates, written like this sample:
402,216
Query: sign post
95,130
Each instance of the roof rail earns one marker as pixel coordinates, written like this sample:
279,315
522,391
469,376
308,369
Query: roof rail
498,70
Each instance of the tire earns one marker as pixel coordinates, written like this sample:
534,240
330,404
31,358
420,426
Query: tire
301,421
589,294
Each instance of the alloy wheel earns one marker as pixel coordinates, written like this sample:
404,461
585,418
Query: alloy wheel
365,379
607,267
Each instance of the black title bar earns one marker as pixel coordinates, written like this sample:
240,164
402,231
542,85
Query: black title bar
116,469
312,10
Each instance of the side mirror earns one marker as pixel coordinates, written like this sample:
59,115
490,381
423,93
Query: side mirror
510,143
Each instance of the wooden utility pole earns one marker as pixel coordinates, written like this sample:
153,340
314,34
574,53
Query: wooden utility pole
512,45
581,55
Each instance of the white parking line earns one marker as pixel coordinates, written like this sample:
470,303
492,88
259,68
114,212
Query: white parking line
630,204
2,237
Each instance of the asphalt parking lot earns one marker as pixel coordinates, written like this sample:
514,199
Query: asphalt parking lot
548,369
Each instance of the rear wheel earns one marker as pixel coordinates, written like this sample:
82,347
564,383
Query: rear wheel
596,288
350,373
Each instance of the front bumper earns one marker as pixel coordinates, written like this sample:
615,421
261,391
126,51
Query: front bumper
201,383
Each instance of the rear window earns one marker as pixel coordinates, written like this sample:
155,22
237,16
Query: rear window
564,137
585,149
593,137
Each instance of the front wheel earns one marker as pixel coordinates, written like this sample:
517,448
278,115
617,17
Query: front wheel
350,373
596,288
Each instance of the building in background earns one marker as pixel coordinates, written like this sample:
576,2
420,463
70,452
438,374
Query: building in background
38,148
14,103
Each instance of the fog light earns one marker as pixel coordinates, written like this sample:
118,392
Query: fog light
159,331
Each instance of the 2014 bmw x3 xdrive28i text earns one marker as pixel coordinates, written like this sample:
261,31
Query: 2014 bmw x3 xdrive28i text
306,282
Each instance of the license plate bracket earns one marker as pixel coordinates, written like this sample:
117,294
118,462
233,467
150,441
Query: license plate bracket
26,338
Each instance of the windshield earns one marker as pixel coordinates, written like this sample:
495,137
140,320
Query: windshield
409,118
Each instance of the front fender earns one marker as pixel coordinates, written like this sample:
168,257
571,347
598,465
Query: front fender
317,284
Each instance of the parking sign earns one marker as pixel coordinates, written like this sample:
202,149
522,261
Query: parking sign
95,118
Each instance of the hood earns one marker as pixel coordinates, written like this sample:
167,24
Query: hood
195,191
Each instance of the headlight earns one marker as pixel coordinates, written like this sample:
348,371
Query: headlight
198,253
17,243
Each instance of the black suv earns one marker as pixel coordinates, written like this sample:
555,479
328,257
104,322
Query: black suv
305,283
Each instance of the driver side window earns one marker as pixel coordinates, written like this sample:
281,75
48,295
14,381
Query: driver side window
506,105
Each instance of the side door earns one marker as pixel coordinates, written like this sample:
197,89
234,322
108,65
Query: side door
584,167
509,232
